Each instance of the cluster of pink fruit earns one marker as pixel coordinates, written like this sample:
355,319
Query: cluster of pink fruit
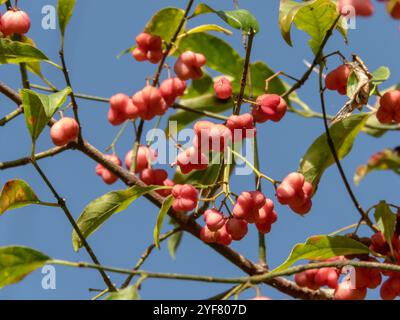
351,288
390,289
389,103
152,101
365,8
355,287
251,207
14,21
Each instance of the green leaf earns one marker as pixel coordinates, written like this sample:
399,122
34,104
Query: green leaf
101,209
16,194
206,28
385,221
173,243
314,17
17,262
15,52
160,219
380,75
322,247
387,159
65,9
128,293
39,108
239,19
165,23
319,157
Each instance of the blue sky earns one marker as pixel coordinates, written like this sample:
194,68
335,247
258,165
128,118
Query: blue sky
98,31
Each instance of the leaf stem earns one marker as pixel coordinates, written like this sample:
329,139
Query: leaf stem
27,160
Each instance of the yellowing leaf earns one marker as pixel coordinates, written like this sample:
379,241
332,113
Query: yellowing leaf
16,194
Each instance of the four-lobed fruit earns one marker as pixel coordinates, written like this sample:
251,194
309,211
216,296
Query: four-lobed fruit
363,8
188,66
248,205
144,157
211,137
121,109
157,177
337,79
296,192
191,159
223,88
107,176
171,89
269,107
214,219
64,131
389,110
149,103
186,197
314,279
149,48
241,126
15,21
266,217
237,228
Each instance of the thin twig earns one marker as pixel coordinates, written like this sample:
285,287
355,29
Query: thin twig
147,253
332,147
257,279
12,115
199,111
77,95
63,205
71,95
27,160
262,251
246,66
